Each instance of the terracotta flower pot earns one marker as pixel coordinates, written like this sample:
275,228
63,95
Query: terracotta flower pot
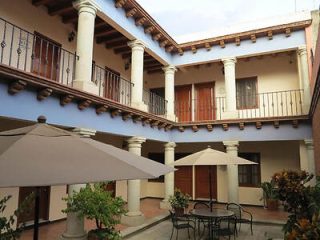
179,211
272,204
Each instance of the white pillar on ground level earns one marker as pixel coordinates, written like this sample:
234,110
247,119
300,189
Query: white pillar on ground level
169,90
230,87
134,216
75,224
311,162
168,178
233,180
87,13
304,77
137,47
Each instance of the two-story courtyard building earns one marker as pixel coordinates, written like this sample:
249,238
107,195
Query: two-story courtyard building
108,68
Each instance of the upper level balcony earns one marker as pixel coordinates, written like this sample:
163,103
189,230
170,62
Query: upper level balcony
42,57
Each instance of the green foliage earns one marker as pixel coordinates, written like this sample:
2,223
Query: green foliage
179,199
269,190
95,203
7,224
302,202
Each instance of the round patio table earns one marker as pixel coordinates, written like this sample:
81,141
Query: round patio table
213,216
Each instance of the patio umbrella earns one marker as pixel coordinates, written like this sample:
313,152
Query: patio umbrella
210,157
43,155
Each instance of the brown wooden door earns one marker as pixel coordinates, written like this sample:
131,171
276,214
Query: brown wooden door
183,179
44,203
205,102
46,57
111,187
112,85
183,103
202,182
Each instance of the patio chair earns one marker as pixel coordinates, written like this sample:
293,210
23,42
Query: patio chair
241,214
226,227
182,222
199,220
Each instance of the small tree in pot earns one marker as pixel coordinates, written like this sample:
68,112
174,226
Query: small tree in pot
270,194
95,203
179,201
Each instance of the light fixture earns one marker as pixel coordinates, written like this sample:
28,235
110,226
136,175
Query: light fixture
71,36
127,64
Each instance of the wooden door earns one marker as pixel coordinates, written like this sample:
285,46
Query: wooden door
112,85
44,203
46,57
183,179
202,182
205,102
111,187
183,103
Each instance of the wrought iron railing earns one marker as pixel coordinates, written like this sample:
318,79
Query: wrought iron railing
262,105
156,105
111,85
33,53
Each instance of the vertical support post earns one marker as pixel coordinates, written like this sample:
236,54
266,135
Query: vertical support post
169,90
230,87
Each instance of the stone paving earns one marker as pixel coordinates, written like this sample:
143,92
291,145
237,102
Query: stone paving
162,231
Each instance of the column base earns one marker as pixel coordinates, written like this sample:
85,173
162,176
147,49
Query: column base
230,115
171,117
66,236
75,228
140,105
132,220
164,204
86,86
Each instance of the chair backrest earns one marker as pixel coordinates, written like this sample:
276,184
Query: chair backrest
236,208
200,205
173,218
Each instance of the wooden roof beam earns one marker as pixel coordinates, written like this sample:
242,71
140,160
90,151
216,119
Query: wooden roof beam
149,29
40,2
120,3
164,43
157,36
154,71
238,41
288,32
207,46
170,48
131,12
107,39
60,8
125,49
70,19
140,21
253,38
270,35
106,33
120,43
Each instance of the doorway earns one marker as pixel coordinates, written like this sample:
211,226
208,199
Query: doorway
205,102
202,182
183,103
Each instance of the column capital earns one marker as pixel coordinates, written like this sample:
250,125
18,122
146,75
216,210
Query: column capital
231,144
136,140
85,132
86,6
137,45
170,69
229,60
302,50
169,145
308,143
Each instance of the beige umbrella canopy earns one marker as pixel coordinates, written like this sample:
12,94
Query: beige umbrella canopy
210,157
42,155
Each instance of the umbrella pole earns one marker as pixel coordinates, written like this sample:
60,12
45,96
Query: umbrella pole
36,214
210,189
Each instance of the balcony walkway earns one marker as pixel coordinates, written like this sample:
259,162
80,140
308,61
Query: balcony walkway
154,215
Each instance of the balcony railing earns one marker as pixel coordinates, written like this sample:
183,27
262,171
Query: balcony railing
33,53
262,105
156,105
111,85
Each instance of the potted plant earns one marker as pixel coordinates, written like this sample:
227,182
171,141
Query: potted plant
179,201
270,195
95,203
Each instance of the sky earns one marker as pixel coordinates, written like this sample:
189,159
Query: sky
181,17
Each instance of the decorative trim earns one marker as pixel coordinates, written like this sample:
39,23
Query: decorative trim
66,99
16,87
83,104
44,93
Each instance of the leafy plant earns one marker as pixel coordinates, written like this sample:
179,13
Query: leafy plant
7,231
95,203
302,202
179,199
269,190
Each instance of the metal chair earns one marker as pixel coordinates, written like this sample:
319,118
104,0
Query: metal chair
199,220
182,222
241,214
226,227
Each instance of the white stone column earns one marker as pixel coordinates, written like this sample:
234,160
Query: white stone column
85,35
134,216
137,47
168,178
230,87
311,162
304,77
233,180
169,90
75,224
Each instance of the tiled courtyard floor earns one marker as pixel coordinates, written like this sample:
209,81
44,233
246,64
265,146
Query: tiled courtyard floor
151,210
